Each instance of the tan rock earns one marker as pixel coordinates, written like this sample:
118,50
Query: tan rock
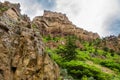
22,55
58,24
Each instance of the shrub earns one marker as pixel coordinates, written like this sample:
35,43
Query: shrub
68,51
78,69
111,64
106,49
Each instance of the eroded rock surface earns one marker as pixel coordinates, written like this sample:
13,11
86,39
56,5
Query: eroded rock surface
57,24
22,55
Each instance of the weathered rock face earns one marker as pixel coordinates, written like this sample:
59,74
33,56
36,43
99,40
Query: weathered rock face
112,43
22,55
57,24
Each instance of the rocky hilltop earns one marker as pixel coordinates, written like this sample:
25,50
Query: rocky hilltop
22,55
57,24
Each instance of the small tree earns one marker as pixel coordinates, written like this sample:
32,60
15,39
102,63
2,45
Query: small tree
68,52
70,48
106,49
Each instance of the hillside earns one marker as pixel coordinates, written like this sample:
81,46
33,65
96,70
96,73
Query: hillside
52,48
81,55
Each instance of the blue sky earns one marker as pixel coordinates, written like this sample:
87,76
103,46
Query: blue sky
101,16
114,25
47,4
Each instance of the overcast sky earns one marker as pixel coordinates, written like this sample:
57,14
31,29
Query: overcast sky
101,16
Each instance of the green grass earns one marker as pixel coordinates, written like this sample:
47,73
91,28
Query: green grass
52,39
79,69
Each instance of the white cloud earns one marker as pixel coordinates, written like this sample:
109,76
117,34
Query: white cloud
30,7
92,15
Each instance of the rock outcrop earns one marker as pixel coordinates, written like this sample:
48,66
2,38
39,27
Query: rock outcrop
112,43
57,24
22,54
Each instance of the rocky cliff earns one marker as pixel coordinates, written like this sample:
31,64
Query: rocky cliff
111,42
22,55
22,50
57,24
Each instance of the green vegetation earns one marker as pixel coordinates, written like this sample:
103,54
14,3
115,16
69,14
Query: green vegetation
51,39
80,69
3,8
111,64
90,63
68,51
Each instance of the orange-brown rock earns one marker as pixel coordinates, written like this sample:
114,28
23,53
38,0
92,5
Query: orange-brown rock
112,43
22,55
57,24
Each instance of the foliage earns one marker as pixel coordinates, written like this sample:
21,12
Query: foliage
68,51
82,55
3,8
55,56
73,60
111,64
79,69
106,49
52,39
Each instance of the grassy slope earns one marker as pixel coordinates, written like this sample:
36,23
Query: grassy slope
90,63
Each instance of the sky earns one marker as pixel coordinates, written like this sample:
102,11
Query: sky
101,16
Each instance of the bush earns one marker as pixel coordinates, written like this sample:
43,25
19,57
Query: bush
78,69
82,55
111,64
106,49
68,51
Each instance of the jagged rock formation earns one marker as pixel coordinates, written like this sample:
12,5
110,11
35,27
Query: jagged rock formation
57,24
22,55
111,42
